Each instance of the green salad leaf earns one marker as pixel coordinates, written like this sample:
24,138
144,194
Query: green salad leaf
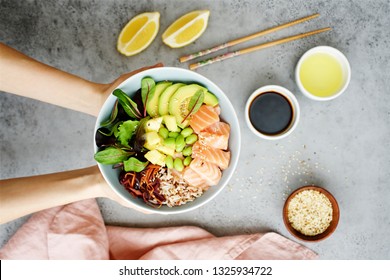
112,155
139,140
126,131
113,115
133,164
128,105
113,130
195,102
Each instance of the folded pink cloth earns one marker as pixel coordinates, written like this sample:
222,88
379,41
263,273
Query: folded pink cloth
77,231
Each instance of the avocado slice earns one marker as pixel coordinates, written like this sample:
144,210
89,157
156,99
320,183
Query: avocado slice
178,103
163,107
152,103
210,99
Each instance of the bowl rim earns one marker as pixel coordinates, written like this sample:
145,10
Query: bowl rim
335,215
282,90
335,53
232,165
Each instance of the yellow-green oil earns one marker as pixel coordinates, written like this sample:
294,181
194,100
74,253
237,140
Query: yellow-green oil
321,75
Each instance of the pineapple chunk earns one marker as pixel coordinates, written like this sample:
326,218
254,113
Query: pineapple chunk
153,124
170,123
170,151
152,140
156,157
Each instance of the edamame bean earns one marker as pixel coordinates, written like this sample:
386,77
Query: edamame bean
178,164
180,148
173,134
187,161
163,132
169,161
180,143
187,151
191,139
170,142
186,132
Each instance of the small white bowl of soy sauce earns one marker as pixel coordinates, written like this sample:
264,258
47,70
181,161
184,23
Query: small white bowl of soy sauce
272,112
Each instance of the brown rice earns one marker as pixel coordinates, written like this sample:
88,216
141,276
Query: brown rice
175,190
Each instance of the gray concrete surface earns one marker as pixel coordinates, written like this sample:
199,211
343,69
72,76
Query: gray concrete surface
342,145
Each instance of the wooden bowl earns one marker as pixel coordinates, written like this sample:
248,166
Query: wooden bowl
328,231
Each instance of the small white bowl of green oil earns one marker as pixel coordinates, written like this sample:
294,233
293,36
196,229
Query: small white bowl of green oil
323,73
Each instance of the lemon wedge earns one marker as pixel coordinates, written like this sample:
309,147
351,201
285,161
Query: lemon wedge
138,33
186,29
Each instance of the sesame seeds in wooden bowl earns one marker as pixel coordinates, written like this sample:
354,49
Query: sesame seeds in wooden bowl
311,213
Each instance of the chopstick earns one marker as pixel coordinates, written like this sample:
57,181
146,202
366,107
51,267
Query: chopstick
246,38
256,48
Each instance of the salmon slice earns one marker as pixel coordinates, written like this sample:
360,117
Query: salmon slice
214,140
192,177
217,109
216,135
211,155
220,128
204,117
209,172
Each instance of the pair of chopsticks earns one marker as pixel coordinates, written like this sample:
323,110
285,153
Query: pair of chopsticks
251,49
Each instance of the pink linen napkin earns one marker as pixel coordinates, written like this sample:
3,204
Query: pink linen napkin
77,231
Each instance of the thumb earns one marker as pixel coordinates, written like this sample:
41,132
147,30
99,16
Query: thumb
132,73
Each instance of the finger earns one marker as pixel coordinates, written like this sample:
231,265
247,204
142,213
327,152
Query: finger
132,73
160,64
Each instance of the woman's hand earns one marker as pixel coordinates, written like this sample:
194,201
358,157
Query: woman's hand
107,89
104,190
24,76
26,195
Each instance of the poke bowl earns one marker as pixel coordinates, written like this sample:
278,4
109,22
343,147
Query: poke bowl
167,140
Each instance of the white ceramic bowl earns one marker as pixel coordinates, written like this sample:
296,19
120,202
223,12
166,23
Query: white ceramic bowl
131,85
346,70
286,93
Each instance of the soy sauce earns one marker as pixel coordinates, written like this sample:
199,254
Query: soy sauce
271,113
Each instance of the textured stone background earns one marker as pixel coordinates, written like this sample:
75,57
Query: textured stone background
342,145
